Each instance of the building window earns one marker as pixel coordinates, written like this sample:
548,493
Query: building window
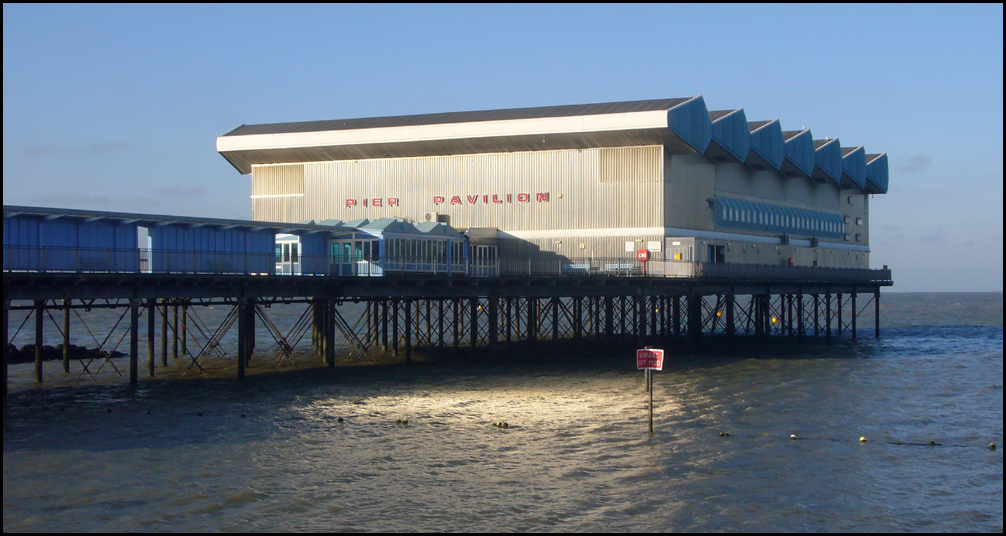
859,221
859,237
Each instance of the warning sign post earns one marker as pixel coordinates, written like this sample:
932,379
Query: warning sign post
649,359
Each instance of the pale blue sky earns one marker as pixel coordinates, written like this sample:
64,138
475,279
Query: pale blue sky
119,107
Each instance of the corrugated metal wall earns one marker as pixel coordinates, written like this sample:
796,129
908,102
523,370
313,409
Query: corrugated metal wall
68,233
185,238
278,180
524,191
631,164
278,193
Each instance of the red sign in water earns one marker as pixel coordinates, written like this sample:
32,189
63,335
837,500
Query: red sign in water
649,359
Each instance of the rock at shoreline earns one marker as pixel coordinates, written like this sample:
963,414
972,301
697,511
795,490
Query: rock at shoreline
49,353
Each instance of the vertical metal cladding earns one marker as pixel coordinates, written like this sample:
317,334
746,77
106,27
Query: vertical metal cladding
278,180
630,164
523,191
278,193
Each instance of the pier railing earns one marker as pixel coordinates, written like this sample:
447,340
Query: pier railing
146,261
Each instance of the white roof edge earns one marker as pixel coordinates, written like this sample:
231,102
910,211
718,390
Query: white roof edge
445,131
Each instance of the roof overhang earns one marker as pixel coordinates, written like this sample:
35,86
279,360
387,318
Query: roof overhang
799,159
876,173
853,168
827,160
681,126
766,145
731,136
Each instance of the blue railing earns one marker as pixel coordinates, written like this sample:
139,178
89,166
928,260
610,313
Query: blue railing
144,261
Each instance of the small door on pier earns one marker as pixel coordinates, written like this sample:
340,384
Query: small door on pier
287,255
483,261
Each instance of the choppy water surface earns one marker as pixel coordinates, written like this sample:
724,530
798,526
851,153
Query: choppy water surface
271,453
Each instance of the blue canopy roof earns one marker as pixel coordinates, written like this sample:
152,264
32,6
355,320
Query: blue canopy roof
766,145
853,167
827,160
876,173
799,158
731,136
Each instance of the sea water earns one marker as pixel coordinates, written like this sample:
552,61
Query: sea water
319,450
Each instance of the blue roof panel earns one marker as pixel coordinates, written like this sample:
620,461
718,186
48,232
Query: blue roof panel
799,159
690,122
853,167
767,148
876,173
731,135
827,160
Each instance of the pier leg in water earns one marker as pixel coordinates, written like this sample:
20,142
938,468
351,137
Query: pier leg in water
493,322
185,328
817,315
578,320
330,333
134,341
799,318
384,324
474,324
66,336
408,331
6,341
440,322
731,328
654,312
242,336
876,313
694,318
789,315
609,317
838,312
174,331
676,312
39,309
852,297
555,318
151,336
827,317
457,324
394,328
164,333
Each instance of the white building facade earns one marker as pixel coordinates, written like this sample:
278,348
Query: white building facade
581,181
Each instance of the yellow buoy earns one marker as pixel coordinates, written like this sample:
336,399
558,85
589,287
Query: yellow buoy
792,437
862,440
992,446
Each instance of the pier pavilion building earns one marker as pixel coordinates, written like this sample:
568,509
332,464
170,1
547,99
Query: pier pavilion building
579,181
